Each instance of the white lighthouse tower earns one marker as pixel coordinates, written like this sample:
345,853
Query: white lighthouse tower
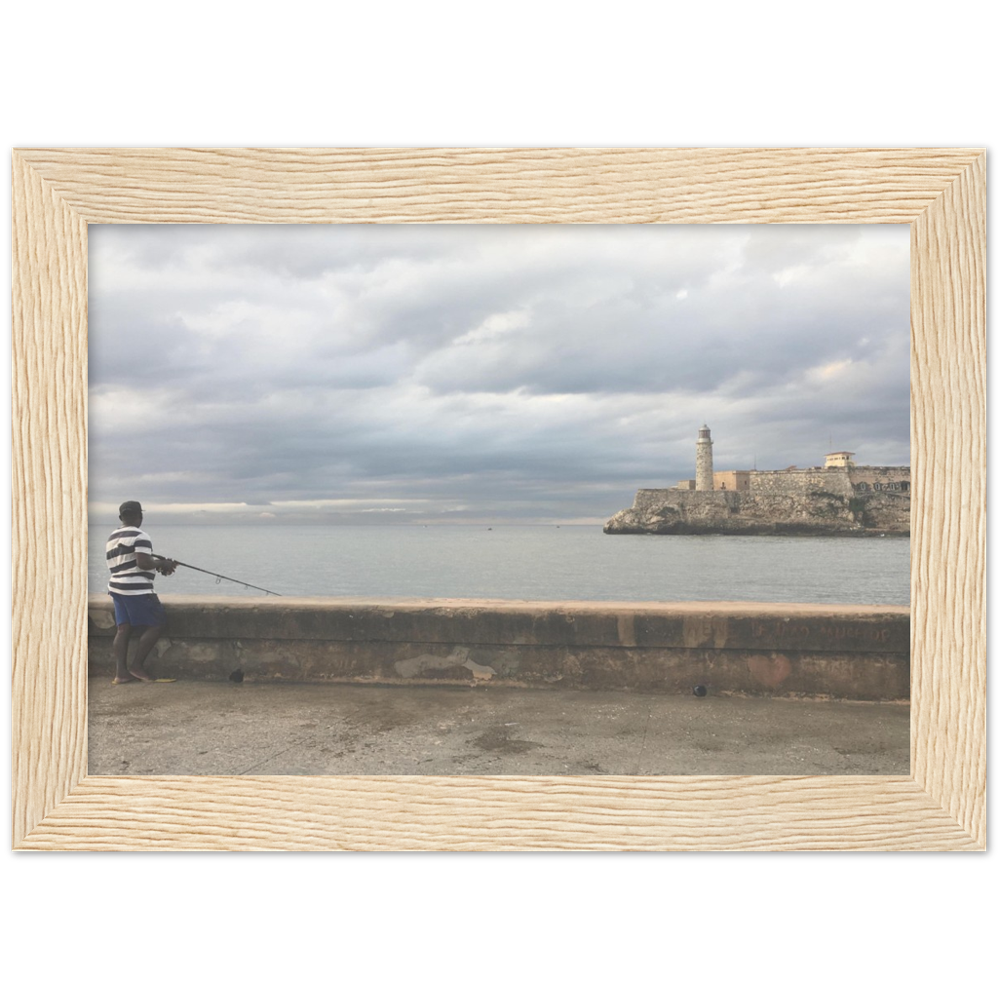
703,477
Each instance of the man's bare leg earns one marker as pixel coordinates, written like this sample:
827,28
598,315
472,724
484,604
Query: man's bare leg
120,646
146,643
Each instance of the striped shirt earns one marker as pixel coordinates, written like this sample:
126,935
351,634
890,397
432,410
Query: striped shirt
126,577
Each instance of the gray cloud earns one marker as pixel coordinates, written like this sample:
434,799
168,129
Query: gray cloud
420,372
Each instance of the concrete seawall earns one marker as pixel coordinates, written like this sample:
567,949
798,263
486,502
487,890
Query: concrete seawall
856,652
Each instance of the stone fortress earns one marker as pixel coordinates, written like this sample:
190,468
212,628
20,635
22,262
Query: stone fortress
836,498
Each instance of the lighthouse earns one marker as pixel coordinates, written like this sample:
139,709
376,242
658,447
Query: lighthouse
703,478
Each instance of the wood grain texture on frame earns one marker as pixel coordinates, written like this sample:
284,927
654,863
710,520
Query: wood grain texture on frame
940,806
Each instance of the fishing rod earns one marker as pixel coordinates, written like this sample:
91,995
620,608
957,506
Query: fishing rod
218,576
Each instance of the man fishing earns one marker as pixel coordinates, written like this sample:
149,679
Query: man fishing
133,568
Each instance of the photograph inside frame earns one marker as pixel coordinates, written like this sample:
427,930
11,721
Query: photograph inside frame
498,500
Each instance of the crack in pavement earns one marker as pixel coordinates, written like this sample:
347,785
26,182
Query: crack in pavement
284,750
642,745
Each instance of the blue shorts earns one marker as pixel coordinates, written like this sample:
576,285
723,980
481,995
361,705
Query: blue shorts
138,609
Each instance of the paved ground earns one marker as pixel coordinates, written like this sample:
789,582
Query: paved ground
201,727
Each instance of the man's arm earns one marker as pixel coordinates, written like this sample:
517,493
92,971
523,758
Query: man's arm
159,564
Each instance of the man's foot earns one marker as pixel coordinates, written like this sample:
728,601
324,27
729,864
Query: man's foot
127,679
138,674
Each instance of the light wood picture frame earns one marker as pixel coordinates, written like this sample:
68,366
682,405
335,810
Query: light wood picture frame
941,193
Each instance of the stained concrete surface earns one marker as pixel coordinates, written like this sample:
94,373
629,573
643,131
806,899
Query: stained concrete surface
810,650
201,727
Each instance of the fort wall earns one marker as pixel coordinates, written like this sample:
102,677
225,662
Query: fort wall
802,481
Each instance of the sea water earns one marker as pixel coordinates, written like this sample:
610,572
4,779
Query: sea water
536,563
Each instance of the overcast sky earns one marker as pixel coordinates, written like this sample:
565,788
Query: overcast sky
359,374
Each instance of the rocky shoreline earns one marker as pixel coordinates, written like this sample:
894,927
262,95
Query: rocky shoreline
810,513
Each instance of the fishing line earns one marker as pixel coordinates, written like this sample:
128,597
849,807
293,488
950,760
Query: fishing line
218,576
